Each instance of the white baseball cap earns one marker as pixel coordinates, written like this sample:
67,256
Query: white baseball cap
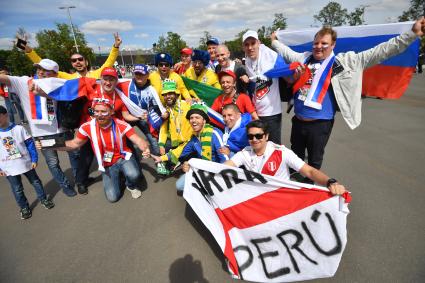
249,33
48,65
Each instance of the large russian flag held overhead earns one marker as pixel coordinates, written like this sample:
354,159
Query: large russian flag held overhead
389,79
66,90
269,230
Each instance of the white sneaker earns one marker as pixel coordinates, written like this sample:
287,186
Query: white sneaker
135,193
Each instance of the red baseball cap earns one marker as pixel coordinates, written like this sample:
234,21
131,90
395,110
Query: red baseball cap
226,73
187,51
108,71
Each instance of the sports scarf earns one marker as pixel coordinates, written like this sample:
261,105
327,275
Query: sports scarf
98,146
320,84
205,139
38,107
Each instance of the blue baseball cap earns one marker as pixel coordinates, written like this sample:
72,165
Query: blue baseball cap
141,69
213,40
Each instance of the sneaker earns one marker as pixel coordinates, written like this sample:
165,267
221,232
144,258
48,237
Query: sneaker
161,169
82,189
26,213
135,193
48,204
70,192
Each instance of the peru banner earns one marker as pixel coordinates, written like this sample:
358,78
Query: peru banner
389,79
269,230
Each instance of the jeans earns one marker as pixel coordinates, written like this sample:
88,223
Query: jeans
144,127
274,124
52,160
180,183
14,99
73,155
111,177
18,188
313,136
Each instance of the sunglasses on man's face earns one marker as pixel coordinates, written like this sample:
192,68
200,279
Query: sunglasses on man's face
73,60
164,65
257,136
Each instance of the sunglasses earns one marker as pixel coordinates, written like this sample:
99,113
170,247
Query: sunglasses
73,60
164,65
257,136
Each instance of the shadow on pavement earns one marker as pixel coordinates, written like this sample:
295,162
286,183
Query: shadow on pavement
193,219
186,270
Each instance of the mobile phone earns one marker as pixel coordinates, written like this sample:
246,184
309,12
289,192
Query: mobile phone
21,44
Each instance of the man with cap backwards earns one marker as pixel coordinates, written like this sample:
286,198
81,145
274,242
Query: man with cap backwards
204,143
80,64
144,95
230,95
107,136
199,71
186,61
212,44
266,98
226,64
164,62
42,120
175,131
313,122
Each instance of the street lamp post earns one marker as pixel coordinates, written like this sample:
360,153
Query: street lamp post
70,21
131,56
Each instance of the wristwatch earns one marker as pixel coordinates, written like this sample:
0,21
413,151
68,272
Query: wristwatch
330,182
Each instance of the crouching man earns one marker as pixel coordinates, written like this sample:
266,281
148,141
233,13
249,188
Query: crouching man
268,158
108,140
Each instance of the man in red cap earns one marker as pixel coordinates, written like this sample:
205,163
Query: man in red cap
230,95
108,138
186,61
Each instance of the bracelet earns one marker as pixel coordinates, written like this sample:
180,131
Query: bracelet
330,182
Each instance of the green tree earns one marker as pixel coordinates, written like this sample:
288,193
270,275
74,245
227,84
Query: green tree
203,40
416,9
279,22
357,17
58,45
171,44
16,62
235,45
332,15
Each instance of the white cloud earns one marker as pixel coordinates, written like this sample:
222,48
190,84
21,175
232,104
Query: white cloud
6,43
141,35
106,26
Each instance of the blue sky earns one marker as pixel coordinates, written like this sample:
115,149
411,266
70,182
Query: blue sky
140,23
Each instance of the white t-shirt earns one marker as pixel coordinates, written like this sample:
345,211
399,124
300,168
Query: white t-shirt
276,158
14,155
19,85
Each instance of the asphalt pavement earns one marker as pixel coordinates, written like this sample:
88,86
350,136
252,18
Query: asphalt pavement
157,238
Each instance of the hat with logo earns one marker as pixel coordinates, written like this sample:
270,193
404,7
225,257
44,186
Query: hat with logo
200,109
249,34
140,69
169,86
187,51
108,71
163,57
226,73
48,65
213,40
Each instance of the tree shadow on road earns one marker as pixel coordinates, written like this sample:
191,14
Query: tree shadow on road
193,219
186,270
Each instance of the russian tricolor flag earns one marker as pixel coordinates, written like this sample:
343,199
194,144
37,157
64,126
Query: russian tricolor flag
389,79
66,90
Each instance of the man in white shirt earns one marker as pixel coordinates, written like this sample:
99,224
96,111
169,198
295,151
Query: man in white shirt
42,120
266,97
271,159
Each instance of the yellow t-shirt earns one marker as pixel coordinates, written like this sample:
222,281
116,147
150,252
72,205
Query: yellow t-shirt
156,82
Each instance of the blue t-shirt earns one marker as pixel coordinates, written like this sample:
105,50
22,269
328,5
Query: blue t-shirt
328,104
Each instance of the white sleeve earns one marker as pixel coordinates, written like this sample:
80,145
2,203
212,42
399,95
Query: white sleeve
292,160
18,85
24,133
238,159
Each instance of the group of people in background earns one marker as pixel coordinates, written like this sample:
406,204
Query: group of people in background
176,123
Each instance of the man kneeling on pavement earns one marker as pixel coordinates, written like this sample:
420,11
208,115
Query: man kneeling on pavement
108,140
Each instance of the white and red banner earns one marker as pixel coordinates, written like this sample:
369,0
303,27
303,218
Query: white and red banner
270,230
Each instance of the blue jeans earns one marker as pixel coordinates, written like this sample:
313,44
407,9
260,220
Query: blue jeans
15,101
18,188
180,183
144,127
52,160
111,177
